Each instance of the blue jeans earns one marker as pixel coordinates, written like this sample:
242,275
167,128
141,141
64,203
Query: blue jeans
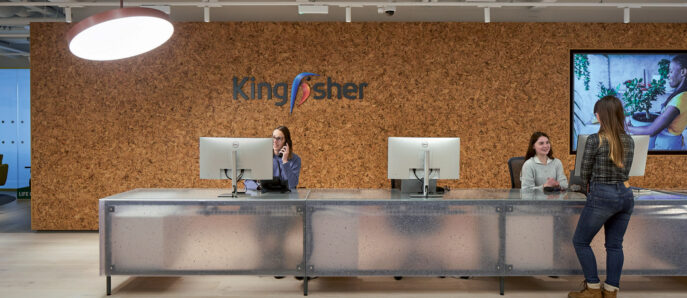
610,206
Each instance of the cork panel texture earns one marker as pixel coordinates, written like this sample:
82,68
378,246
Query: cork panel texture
101,128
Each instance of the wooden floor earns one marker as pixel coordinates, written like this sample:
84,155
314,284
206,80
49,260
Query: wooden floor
66,264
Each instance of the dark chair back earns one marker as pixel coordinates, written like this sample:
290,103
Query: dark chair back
514,167
4,170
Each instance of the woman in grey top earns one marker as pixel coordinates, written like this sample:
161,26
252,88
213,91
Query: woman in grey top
541,169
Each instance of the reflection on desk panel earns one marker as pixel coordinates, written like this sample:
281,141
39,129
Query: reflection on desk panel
539,240
408,238
150,239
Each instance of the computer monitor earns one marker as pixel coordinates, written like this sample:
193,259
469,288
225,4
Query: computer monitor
235,159
638,160
423,159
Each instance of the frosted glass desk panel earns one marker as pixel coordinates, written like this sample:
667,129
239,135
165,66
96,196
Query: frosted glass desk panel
383,232
539,235
192,231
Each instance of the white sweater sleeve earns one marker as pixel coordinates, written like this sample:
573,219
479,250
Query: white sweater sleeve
560,174
527,176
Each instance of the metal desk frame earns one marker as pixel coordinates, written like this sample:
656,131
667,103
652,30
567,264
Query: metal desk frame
562,209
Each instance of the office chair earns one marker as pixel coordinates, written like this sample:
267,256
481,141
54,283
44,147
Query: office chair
514,167
3,172
4,199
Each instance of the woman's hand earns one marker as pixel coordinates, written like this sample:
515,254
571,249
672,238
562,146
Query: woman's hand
550,182
285,153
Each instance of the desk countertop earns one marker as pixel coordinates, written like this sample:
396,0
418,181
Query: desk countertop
210,194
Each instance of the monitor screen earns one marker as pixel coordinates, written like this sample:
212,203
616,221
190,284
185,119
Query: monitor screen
253,158
638,160
406,157
641,80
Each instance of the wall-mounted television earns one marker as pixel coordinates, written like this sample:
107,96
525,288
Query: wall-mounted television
652,85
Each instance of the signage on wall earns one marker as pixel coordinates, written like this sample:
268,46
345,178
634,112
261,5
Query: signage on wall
248,89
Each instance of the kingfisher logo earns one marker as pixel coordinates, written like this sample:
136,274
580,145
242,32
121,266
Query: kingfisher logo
279,92
295,86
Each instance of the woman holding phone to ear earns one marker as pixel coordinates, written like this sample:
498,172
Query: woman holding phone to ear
273,231
286,165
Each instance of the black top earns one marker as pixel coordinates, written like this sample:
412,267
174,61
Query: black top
596,161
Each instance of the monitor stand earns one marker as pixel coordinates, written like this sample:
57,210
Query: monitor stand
427,195
426,182
231,194
414,186
234,186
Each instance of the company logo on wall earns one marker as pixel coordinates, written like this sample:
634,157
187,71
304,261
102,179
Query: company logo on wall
246,88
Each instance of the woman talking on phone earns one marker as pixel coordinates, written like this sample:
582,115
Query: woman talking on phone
286,165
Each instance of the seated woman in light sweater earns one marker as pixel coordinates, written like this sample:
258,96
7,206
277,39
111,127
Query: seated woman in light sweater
541,169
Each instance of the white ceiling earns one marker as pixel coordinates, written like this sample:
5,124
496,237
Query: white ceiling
650,11
14,33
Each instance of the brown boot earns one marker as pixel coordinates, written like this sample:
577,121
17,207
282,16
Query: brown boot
609,294
586,293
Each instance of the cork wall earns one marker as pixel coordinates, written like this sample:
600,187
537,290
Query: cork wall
100,128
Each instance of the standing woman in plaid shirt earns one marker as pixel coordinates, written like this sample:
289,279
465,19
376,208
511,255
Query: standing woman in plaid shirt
605,169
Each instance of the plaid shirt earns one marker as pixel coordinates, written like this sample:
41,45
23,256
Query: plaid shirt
597,165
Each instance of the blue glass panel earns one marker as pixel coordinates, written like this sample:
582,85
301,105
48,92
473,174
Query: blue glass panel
15,126
8,128
23,128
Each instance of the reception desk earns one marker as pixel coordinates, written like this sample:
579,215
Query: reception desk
355,232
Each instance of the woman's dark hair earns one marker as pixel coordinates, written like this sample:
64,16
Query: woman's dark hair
530,150
682,61
287,139
612,120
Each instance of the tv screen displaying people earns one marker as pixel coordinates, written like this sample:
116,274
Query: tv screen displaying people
650,84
